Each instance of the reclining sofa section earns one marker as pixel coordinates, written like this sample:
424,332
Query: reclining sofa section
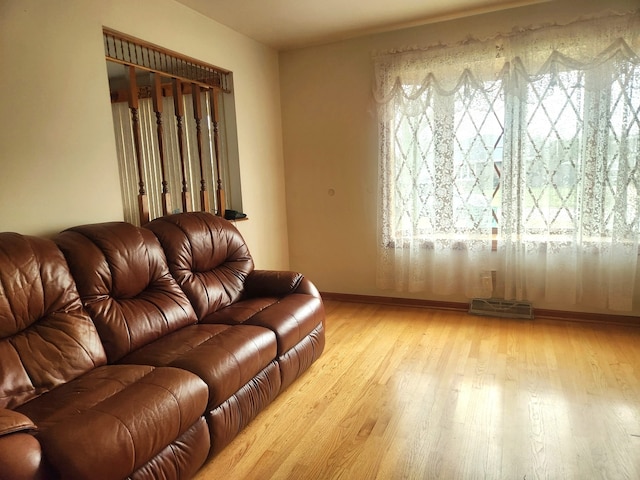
130,352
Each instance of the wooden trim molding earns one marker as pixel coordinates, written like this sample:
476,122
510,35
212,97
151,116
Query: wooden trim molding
583,317
128,50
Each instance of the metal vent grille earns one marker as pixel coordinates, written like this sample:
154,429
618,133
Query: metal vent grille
495,307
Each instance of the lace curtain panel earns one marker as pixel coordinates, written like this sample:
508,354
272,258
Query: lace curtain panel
510,167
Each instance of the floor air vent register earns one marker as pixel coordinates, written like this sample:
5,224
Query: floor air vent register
495,307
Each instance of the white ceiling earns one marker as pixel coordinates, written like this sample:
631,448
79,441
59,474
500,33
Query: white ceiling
289,24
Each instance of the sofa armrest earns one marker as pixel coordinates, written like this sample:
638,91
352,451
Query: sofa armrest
12,422
20,451
271,283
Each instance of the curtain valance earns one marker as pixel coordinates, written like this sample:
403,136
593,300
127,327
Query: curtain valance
531,51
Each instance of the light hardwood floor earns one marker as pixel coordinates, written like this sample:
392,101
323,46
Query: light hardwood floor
412,393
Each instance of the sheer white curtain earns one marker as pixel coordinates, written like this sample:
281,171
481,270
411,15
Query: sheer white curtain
517,155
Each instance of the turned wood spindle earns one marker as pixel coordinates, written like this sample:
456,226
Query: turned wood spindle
157,108
143,202
215,118
197,115
179,111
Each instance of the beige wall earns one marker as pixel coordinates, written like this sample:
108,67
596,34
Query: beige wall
57,154
330,141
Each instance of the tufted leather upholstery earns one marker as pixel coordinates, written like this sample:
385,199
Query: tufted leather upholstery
225,358
212,264
125,285
93,427
64,412
207,256
43,322
145,318
110,368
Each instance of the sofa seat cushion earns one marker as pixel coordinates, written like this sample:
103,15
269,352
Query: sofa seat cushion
182,458
111,421
291,318
225,357
227,420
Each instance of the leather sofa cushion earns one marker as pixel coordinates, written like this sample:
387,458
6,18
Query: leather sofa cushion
291,318
113,420
272,283
21,457
182,458
225,357
46,338
207,256
125,285
210,260
12,422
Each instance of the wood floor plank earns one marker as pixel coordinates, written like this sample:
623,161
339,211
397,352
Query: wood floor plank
414,393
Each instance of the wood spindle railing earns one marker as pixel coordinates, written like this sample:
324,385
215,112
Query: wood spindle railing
197,115
157,108
215,118
186,72
179,112
143,202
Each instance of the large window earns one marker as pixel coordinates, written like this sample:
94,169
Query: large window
459,138
516,159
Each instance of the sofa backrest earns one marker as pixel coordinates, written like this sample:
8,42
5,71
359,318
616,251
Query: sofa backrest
207,256
46,337
125,285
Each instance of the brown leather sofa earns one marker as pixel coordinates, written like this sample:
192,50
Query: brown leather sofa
138,353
